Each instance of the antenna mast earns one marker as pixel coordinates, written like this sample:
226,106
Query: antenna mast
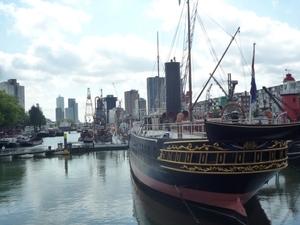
158,80
190,69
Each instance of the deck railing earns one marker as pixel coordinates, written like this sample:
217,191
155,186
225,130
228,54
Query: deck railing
174,130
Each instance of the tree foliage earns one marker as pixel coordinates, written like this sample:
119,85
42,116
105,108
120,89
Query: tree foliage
216,113
36,117
11,112
255,113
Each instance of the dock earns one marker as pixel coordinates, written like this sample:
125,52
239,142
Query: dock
73,148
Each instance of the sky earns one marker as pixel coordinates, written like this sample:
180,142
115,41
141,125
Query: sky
63,47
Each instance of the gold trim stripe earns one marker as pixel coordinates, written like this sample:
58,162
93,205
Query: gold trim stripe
231,170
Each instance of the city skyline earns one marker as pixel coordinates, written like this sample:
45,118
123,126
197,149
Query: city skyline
139,102
64,47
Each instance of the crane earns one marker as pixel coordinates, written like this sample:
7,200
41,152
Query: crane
208,92
88,117
119,100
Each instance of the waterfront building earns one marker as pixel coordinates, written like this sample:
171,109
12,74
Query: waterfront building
60,108
263,100
12,87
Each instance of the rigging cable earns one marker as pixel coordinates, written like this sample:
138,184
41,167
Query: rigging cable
213,53
243,61
176,33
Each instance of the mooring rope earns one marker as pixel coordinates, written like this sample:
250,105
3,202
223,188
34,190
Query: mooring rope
295,168
187,206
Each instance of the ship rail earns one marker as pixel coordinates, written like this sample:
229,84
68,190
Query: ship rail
282,118
176,130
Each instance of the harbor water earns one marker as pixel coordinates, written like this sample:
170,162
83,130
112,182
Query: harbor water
97,188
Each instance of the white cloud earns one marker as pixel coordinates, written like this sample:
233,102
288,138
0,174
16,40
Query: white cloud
59,58
44,19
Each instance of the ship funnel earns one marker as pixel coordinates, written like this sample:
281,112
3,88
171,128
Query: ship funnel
173,89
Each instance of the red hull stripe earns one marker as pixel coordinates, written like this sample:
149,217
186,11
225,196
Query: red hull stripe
228,201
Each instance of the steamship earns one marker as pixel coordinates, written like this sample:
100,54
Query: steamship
173,156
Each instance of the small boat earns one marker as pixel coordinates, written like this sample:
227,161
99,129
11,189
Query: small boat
52,133
30,141
59,133
8,142
42,133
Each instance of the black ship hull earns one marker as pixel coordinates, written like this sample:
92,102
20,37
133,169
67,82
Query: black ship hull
201,173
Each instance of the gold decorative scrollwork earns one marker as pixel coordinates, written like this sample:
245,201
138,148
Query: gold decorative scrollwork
250,145
279,144
190,147
234,169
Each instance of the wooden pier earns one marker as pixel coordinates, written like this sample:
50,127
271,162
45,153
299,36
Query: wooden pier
73,148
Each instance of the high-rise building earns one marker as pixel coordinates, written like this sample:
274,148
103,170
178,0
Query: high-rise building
130,97
140,108
110,104
69,112
155,94
72,110
12,87
60,108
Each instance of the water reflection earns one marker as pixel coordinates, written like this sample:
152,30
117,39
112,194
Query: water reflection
280,198
94,187
11,174
152,208
277,203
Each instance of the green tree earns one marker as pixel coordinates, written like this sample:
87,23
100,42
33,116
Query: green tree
216,113
36,117
11,112
255,113
26,121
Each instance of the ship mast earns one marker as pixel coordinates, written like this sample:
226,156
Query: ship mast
190,68
212,74
158,79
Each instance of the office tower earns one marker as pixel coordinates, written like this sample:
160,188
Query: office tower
110,104
12,87
60,108
72,110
